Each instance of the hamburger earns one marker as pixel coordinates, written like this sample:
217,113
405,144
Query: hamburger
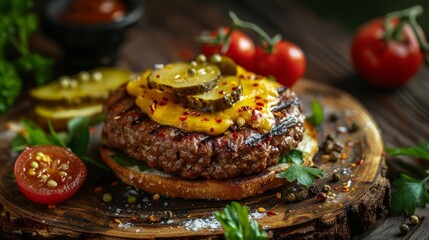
205,130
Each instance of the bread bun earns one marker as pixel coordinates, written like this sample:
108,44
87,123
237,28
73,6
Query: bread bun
154,181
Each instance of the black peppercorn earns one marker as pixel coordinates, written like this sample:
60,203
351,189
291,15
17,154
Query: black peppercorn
312,191
336,177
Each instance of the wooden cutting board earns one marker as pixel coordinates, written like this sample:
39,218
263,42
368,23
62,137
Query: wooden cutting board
347,212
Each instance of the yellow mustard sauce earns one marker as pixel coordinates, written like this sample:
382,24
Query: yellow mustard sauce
259,96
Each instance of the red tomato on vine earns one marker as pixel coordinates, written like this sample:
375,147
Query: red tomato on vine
388,53
240,46
286,62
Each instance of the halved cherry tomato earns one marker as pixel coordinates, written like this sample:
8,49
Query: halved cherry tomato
49,174
286,63
385,64
241,48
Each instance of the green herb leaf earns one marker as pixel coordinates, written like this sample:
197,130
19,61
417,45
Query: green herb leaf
125,161
316,119
235,222
294,156
409,193
36,136
19,143
420,151
77,138
54,137
303,175
78,128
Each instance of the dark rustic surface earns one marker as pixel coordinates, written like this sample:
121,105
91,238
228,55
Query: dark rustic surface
166,33
346,213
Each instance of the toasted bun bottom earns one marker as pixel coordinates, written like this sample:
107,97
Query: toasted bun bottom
155,181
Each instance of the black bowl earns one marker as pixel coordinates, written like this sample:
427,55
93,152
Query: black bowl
92,45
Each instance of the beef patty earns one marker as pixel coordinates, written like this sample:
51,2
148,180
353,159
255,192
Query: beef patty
240,151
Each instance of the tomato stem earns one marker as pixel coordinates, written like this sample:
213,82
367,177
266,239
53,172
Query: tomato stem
267,42
406,17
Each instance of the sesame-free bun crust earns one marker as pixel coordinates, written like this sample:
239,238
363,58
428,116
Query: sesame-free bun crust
155,181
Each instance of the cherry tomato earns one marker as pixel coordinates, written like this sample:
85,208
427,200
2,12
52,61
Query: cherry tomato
241,48
49,174
286,63
385,64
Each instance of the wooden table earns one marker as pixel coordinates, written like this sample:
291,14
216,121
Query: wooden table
167,31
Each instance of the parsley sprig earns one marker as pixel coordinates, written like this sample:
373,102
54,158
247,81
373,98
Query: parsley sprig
17,23
410,192
303,175
76,138
235,222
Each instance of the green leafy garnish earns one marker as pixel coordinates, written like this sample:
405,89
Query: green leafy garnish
125,161
316,118
76,138
235,222
17,23
420,151
303,175
409,192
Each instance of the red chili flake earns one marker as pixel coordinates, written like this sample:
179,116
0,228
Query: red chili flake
234,88
51,206
257,97
186,113
271,213
114,183
98,189
142,87
144,92
259,104
224,83
259,108
269,138
241,76
205,119
218,120
133,218
92,130
165,99
211,129
360,162
235,135
245,108
162,103
222,92
183,118
255,84
265,101
157,76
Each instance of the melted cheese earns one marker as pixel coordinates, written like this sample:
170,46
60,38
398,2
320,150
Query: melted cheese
254,106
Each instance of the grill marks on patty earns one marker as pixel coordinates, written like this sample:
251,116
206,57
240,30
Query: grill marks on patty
197,155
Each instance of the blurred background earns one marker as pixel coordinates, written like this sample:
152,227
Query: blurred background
351,14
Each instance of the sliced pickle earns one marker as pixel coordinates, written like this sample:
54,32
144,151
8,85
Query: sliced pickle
184,78
227,91
227,66
83,88
58,116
